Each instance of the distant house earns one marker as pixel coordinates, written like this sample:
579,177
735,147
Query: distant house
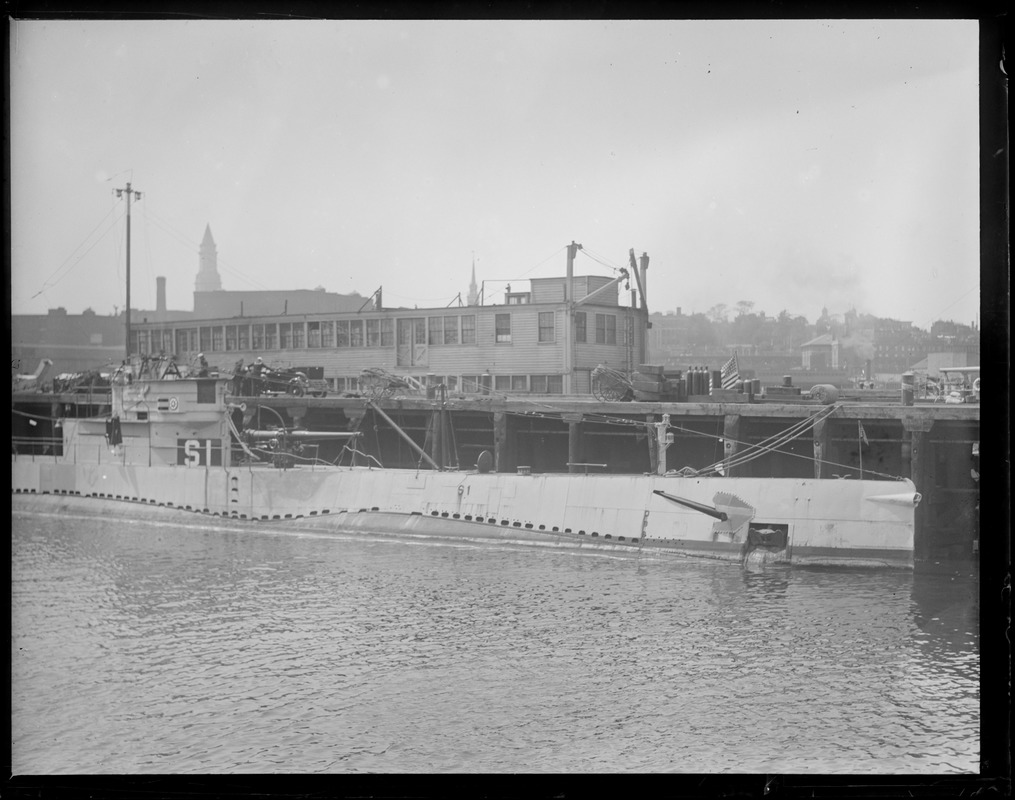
821,353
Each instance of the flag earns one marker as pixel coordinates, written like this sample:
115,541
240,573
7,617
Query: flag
862,433
730,373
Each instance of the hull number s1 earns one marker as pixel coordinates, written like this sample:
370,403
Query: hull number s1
199,452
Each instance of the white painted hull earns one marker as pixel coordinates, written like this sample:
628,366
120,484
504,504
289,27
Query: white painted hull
814,522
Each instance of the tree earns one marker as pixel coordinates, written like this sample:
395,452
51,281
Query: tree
744,307
717,313
700,331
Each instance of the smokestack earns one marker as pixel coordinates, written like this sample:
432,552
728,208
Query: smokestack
160,294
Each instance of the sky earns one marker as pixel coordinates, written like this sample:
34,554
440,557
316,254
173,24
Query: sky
797,165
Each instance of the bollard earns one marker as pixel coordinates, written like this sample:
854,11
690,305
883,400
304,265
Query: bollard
908,388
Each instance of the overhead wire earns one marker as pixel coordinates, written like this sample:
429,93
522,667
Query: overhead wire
49,283
602,260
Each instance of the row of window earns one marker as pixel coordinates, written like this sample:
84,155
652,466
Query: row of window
437,330
472,384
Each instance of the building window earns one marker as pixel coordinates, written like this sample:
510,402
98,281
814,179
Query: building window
502,324
285,335
435,333
546,384
469,329
470,383
205,339
230,337
606,329
243,337
356,333
519,383
299,335
342,333
452,383
271,336
451,330
502,383
373,332
217,339
257,337
182,342
314,334
327,334
579,327
546,326
387,332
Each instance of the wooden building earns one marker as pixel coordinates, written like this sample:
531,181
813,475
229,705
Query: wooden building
539,342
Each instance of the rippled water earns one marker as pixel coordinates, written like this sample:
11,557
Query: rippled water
147,648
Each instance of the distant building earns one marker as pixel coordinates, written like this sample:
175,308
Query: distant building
84,342
208,279
73,342
932,365
897,345
473,289
820,353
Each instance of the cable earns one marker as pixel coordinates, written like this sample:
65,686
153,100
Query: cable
50,283
599,259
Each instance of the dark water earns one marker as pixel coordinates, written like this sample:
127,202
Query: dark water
149,648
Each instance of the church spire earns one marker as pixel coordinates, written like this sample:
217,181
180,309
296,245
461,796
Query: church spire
208,279
473,290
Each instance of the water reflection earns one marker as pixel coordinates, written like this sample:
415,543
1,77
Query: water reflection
145,648
768,584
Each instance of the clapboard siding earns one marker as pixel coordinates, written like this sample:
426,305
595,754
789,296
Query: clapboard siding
523,355
551,290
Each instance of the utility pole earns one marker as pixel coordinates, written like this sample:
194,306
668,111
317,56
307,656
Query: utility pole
569,343
136,196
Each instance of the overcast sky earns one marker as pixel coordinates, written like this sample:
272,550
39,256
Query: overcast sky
794,164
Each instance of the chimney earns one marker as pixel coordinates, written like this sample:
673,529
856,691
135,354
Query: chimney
160,295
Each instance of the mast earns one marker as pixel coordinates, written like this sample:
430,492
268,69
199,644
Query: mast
137,196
